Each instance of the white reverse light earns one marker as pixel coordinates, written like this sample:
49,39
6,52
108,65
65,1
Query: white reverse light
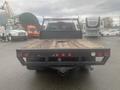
93,53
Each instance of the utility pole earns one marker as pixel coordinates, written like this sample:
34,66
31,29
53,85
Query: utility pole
9,13
119,21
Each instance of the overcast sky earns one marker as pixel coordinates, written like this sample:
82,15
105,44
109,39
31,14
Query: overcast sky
66,7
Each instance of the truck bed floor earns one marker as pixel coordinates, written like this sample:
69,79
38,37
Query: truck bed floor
62,44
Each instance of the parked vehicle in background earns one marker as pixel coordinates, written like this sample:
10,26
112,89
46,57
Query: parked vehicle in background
111,32
105,33
16,34
114,33
93,26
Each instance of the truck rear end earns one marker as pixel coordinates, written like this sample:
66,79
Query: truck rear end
62,50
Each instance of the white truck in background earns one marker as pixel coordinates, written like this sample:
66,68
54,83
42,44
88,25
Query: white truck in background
10,34
93,26
16,34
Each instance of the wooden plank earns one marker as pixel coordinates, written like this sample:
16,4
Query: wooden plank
53,45
62,44
89,44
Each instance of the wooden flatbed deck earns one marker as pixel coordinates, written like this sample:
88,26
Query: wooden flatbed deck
62,44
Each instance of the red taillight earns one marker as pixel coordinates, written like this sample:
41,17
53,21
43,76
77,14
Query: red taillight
107,53
19,54
69,54
25,54
99,54
102,53
63,55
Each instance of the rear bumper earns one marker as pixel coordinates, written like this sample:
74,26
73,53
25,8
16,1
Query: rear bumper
67,64
32,58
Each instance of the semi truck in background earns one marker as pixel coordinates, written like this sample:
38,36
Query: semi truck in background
93,26
62,47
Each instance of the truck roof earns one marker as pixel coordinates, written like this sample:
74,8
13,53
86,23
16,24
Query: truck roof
57,19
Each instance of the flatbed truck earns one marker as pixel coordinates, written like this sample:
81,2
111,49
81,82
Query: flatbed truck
62,49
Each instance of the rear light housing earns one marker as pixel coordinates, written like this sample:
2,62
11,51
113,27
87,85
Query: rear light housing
99,54
25,54
62,55
102,53
22,54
